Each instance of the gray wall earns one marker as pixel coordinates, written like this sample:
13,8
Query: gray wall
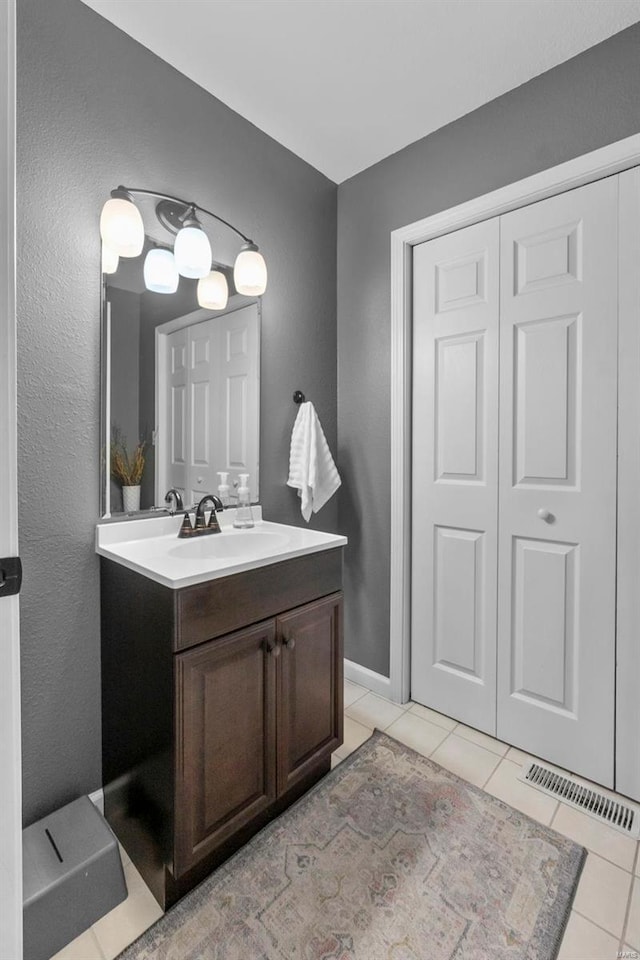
95,109
583,104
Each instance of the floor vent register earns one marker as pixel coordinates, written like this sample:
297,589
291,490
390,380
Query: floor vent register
624,817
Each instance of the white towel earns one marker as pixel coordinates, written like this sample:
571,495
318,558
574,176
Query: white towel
312,471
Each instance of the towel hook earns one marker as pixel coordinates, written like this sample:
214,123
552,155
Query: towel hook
299,397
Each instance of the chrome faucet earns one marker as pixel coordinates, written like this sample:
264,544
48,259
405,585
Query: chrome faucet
173,495
202,527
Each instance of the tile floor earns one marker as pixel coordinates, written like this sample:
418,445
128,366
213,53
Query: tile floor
605,921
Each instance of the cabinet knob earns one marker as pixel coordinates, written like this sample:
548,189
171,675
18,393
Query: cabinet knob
289,643
545,515
272,648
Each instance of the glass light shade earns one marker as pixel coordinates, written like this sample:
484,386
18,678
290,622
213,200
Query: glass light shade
192,251
213,291
110,259
160,271
121,227
250,273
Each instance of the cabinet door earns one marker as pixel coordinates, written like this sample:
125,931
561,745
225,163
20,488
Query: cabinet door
225,715
310,687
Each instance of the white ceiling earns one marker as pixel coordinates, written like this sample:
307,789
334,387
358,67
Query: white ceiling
345,83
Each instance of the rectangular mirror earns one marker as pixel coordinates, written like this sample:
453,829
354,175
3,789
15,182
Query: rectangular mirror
180,392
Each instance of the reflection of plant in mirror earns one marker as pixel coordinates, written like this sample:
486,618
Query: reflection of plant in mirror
126,469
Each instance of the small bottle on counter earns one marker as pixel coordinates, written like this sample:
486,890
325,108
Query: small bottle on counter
223,488
244,514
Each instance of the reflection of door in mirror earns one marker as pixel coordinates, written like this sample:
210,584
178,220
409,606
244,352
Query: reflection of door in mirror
207,381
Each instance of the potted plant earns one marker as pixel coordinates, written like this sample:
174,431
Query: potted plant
127,470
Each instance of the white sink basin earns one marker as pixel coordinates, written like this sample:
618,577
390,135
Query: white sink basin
152,547
230,544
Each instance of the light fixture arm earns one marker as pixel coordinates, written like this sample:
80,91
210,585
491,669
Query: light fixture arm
127,192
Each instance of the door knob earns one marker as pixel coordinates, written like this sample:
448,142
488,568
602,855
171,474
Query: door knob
289,643
545,514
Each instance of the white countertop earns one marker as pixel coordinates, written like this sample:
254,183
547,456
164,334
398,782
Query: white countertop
151,547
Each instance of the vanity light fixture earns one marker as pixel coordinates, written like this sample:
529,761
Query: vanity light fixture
121,226
192,249
213,291
160,271
110,259
122,230
250,271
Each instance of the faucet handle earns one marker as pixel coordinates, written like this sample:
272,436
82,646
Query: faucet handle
213,524
186,530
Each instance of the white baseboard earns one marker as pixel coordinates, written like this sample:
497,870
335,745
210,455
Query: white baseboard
367,678
97,798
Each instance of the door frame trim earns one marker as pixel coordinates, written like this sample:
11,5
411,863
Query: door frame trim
10,738
627,759
606,161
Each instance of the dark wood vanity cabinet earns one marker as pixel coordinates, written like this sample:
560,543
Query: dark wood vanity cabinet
226,749
256,711
211,738
309,716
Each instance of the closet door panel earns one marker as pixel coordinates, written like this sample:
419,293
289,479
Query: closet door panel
459,364
545,382
557,510
458,600
544,623
455,416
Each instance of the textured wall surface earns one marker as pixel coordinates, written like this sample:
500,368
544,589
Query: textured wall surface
583,104
95,109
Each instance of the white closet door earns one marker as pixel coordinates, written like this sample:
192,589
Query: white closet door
455,450
557,514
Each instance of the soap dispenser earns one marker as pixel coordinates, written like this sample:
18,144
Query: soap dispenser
223,488
244,515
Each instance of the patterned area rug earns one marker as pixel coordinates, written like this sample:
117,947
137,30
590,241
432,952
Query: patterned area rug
390,857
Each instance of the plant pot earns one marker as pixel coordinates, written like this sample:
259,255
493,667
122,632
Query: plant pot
131,499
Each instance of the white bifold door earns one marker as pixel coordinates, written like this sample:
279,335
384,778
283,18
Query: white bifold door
455,474
558,420
514,477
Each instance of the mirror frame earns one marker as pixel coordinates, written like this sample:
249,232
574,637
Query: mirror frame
236,302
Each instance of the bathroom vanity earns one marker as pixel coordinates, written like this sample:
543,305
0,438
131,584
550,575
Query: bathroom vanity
221,686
